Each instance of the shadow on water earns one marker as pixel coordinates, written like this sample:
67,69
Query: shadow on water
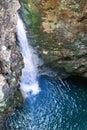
77,80
60,105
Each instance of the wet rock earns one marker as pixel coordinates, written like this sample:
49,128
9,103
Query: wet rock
2,83
10,57
60,30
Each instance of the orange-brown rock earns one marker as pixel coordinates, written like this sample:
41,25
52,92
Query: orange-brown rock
61,30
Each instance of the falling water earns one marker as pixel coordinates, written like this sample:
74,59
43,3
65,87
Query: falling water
60,105
29,81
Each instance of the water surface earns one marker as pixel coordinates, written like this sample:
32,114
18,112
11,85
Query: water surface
49,104
60,105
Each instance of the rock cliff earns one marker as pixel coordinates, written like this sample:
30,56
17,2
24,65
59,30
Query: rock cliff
60,29
10,58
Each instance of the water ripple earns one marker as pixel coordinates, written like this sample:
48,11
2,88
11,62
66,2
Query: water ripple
59,106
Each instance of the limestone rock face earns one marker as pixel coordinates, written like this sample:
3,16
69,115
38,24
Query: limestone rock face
10,58
60,29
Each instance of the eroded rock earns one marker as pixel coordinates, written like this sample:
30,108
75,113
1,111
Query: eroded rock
10,57
60,30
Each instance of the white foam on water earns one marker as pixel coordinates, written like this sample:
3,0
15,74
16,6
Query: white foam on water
29,81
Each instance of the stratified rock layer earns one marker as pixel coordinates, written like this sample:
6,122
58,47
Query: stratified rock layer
60,28
10,58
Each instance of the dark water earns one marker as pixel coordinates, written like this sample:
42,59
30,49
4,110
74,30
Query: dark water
61,105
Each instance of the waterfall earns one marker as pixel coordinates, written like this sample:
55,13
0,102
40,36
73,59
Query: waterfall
28,83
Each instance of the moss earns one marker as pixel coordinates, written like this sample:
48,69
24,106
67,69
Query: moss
64,43
31,15
2,106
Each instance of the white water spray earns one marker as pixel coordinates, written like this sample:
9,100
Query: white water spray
29,81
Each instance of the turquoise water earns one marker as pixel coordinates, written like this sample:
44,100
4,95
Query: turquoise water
60,105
